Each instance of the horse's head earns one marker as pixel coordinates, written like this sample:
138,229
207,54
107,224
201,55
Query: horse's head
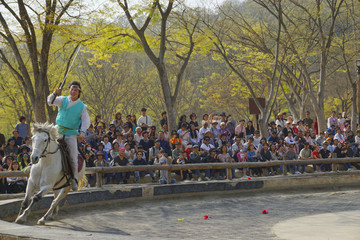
42,134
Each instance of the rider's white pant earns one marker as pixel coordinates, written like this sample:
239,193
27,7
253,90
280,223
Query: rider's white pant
71,142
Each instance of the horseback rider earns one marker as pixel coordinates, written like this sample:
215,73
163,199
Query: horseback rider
72,114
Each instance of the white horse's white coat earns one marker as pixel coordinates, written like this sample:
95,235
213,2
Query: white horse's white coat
46,171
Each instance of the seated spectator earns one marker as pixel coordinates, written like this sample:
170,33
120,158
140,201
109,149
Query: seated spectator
111,133
139,160
27,142
24,161
153,153
164,144
325,153
166,132
222,140
119,140
16,184
7,162
349,153
305,154
89,161
121,160
195,158
175,139
240,128
182,121
138,135
339,135
214,130
223,158
118,122
11,148
17,138
129,153
176,152
100,148
194,135
291,155
224,131
250,130
131,142
206,146
203,130
290,139
184,134
209,157
294,128
320,139
273,137
106,143
164,173
163,120
253,156
265,156
101,162
357,137
316,155
184,173
152,133
114,152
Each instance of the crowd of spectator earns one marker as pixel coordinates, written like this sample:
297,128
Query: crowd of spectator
212,139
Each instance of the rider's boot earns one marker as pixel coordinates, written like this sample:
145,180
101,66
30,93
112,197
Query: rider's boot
74,184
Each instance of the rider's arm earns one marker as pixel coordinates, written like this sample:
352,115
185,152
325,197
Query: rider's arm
85,120
58,100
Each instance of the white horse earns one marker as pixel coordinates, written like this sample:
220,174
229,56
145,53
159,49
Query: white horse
46,173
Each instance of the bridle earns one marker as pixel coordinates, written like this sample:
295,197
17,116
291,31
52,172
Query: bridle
45,152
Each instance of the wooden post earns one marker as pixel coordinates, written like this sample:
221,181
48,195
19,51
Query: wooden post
229,173
168,175
98,179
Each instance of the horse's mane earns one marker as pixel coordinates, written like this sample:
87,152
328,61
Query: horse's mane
45,127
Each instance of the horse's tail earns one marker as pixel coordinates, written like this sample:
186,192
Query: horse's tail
83,182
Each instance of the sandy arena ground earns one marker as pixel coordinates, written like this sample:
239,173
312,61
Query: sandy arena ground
232,216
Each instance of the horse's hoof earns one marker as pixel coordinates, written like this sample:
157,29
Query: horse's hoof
41,222
20,220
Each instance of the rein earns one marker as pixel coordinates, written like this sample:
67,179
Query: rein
44,153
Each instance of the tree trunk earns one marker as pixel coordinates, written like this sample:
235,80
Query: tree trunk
263,127
354,110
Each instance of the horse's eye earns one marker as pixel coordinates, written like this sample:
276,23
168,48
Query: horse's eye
45,140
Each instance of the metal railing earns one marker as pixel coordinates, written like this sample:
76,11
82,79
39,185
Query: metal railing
201,166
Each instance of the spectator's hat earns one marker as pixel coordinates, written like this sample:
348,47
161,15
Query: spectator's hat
157,141
342,141
288,122
222,124
222,114
214,121
100,153
196,146
189,146
143,109
294,123
207,131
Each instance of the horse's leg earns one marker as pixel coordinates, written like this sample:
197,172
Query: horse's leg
28,194
37,197
60,195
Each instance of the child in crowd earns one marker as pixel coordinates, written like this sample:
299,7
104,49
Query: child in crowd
164,173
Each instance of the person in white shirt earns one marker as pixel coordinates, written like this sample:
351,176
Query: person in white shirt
290,138
357,137
144,120
206,146
339,135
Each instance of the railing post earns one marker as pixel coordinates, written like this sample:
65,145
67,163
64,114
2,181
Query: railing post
168,174
98,179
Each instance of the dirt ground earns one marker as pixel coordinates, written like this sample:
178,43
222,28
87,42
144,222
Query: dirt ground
231,216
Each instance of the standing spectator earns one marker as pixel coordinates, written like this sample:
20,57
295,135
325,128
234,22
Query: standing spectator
193,121
231,124
118,122
206,119
341,119
23,128
240,128
163,120
307,120
166,132
134,125
332,120
182,121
